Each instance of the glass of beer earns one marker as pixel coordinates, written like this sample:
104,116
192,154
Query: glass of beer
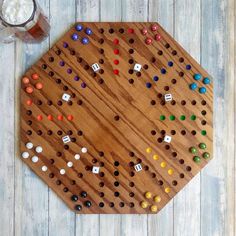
23,19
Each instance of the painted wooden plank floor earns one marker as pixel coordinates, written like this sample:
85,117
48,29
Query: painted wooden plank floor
207,206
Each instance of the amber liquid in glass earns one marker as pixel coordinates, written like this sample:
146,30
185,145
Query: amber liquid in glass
37,33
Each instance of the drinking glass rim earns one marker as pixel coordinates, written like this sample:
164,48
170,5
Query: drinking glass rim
26,22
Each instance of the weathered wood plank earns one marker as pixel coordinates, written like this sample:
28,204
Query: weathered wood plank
87,11
215,176
7,146
110,11
134,10
61,218
187,33
31,194
162,11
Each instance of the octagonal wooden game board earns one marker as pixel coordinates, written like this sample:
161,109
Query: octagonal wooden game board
116,118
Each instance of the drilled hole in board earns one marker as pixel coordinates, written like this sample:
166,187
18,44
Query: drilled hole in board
39,102
51,73
153,102
39,132
59,154
181,73
131,164
139,160
101,41
131,51
167,45
29,132
203,112
181,175
183,102
131,205
116,173
131,71
174,52
153,59
153,175
181,161
80,175
49,132
131,184
79,102
29,122
174,183
72,182
138,74
160,182
59,132
116,183
59,103
203,122
181,59
166,88
52,161
193,132
131,61
101,184
111,204
116,194
29,112
153,132
80,59
188,168
146,168
49,102
101,71
162,103
131,194
44,66
203,103
101,194
131,81
51,175
86,67
145,66
121,30
101,174
167,147
174,154
101,164
163,132
101,30
183,132
65,190
87,168
121,204
101,154
132,174
193,102
58,81
173,102
173,132
173,81
160,52
58,182
159,140
101,51
131,41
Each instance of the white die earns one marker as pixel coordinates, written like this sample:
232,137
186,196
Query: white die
66,97
137,67
95,169
138,167
66,139
95,67
168,97
167,139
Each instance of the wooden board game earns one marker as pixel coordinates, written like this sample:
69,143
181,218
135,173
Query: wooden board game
116,118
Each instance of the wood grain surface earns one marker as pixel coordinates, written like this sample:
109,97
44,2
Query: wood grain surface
213,207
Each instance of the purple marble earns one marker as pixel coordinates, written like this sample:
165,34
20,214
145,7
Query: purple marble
69,71
83,85
76,78
65,45
62,63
